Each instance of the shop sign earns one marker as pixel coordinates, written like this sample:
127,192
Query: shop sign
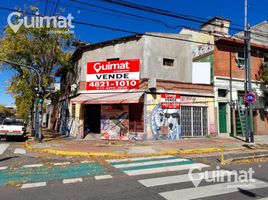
113,75
170,101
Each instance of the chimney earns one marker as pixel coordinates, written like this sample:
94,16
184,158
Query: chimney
217,25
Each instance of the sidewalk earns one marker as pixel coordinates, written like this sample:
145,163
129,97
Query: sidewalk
58,144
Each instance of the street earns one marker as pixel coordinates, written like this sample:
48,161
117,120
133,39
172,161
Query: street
27,175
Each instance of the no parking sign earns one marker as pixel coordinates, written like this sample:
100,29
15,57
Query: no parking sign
250,98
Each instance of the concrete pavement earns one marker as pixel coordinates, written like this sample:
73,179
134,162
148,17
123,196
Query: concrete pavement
57,144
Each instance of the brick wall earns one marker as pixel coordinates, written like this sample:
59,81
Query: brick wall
226,66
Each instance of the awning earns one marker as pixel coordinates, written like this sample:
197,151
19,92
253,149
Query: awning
108,98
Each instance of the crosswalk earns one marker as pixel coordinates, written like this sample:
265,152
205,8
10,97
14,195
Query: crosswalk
3,148
151,165
174,187
6,147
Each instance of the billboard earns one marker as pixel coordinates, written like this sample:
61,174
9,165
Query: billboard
113,75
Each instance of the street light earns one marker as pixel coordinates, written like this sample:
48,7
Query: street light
39,119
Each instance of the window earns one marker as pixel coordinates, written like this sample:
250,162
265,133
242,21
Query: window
112,59
194,121
240,59
222,93
168,62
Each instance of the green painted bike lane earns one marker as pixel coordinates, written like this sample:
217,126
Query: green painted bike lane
30,175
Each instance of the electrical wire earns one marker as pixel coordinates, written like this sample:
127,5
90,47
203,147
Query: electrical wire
57,4
162,12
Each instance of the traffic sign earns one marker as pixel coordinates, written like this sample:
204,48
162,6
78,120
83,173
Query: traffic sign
250,98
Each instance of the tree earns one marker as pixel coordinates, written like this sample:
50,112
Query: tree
6,112
46,49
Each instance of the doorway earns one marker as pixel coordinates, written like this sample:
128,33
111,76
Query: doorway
223,117
92,117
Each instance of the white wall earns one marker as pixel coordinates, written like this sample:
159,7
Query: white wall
201,73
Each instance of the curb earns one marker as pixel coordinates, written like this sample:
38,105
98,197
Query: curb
246,158
125,155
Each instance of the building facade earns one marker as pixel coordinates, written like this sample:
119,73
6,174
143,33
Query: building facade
141,87
226,55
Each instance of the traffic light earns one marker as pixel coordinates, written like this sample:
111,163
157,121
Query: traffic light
40,97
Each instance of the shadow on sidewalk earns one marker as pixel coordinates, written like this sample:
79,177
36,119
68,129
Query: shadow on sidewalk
51,135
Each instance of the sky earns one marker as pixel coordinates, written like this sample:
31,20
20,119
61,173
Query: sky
204,10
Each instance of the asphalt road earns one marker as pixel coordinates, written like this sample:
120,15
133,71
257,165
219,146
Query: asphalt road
153,178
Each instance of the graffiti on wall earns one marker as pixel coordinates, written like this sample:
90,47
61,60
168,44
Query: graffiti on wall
114,122
165,123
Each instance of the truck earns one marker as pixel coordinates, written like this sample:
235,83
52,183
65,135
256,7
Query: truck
12,127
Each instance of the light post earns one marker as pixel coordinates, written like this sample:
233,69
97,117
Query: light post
39,109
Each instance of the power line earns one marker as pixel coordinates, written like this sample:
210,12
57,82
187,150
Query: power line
161,12
124,13
127,31
114,28
167,13
46,7
138,16
58,1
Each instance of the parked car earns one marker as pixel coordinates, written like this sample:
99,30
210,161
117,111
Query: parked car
12,127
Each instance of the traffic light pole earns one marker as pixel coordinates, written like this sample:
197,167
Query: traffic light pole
38,135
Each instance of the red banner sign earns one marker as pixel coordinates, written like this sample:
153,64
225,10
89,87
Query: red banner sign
170,101
113,75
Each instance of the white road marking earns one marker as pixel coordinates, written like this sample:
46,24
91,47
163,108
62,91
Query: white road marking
3,148
164,169
72,180
63,163
2,168
33,165
19,151
86,161
32,185
139,158
212,190
263,199
184,178
149,163
103,177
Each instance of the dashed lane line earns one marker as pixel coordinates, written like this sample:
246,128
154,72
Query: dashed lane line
72,180
19,151
101,177
33,185
63,163
33,165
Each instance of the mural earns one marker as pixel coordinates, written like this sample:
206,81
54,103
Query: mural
165,123
114,122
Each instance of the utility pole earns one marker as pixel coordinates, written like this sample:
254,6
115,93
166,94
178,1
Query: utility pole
38,128
246,67
251,131
248,82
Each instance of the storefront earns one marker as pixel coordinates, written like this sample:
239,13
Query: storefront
193,118
116,116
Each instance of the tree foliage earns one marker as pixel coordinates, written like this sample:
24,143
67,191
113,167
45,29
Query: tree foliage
6,112
45,49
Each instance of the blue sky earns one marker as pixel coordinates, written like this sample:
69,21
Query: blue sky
230,9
